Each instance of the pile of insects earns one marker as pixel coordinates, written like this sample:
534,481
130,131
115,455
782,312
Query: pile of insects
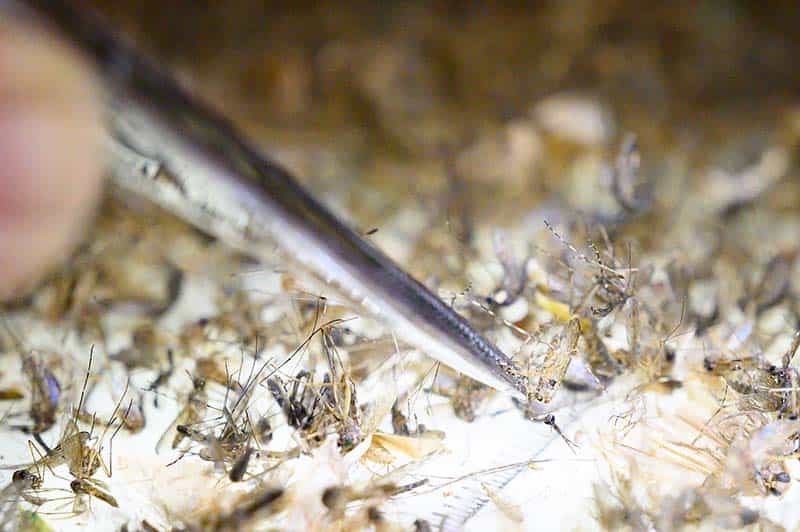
262,377
158,348
623,224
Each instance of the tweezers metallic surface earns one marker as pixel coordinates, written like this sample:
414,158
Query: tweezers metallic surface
230,189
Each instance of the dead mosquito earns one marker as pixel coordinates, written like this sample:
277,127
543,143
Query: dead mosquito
250,506
84,461
45,388
190,414
337,498
467,396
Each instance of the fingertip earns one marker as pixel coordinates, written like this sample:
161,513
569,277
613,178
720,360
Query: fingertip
50,163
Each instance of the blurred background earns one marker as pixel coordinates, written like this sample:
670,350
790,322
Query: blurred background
464,111
403,81
355,62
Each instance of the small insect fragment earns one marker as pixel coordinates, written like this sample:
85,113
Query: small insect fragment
336,498
512,511
191,413
514,271
774,284
263,431
399,421
240,465
421,525
466,397
24,484
625,178
45,389
551,372
11,394
300,404
264,503
86,487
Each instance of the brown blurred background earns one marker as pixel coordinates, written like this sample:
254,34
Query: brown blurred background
386,93
293,61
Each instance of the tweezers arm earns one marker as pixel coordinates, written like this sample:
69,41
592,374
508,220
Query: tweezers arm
234,191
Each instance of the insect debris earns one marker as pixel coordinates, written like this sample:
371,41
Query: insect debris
84,461
250,506
45,389
320,408
762,386
191,413
340,499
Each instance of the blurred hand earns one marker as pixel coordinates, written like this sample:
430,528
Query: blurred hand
50,158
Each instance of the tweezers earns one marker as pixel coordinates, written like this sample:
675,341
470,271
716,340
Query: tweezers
227,187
